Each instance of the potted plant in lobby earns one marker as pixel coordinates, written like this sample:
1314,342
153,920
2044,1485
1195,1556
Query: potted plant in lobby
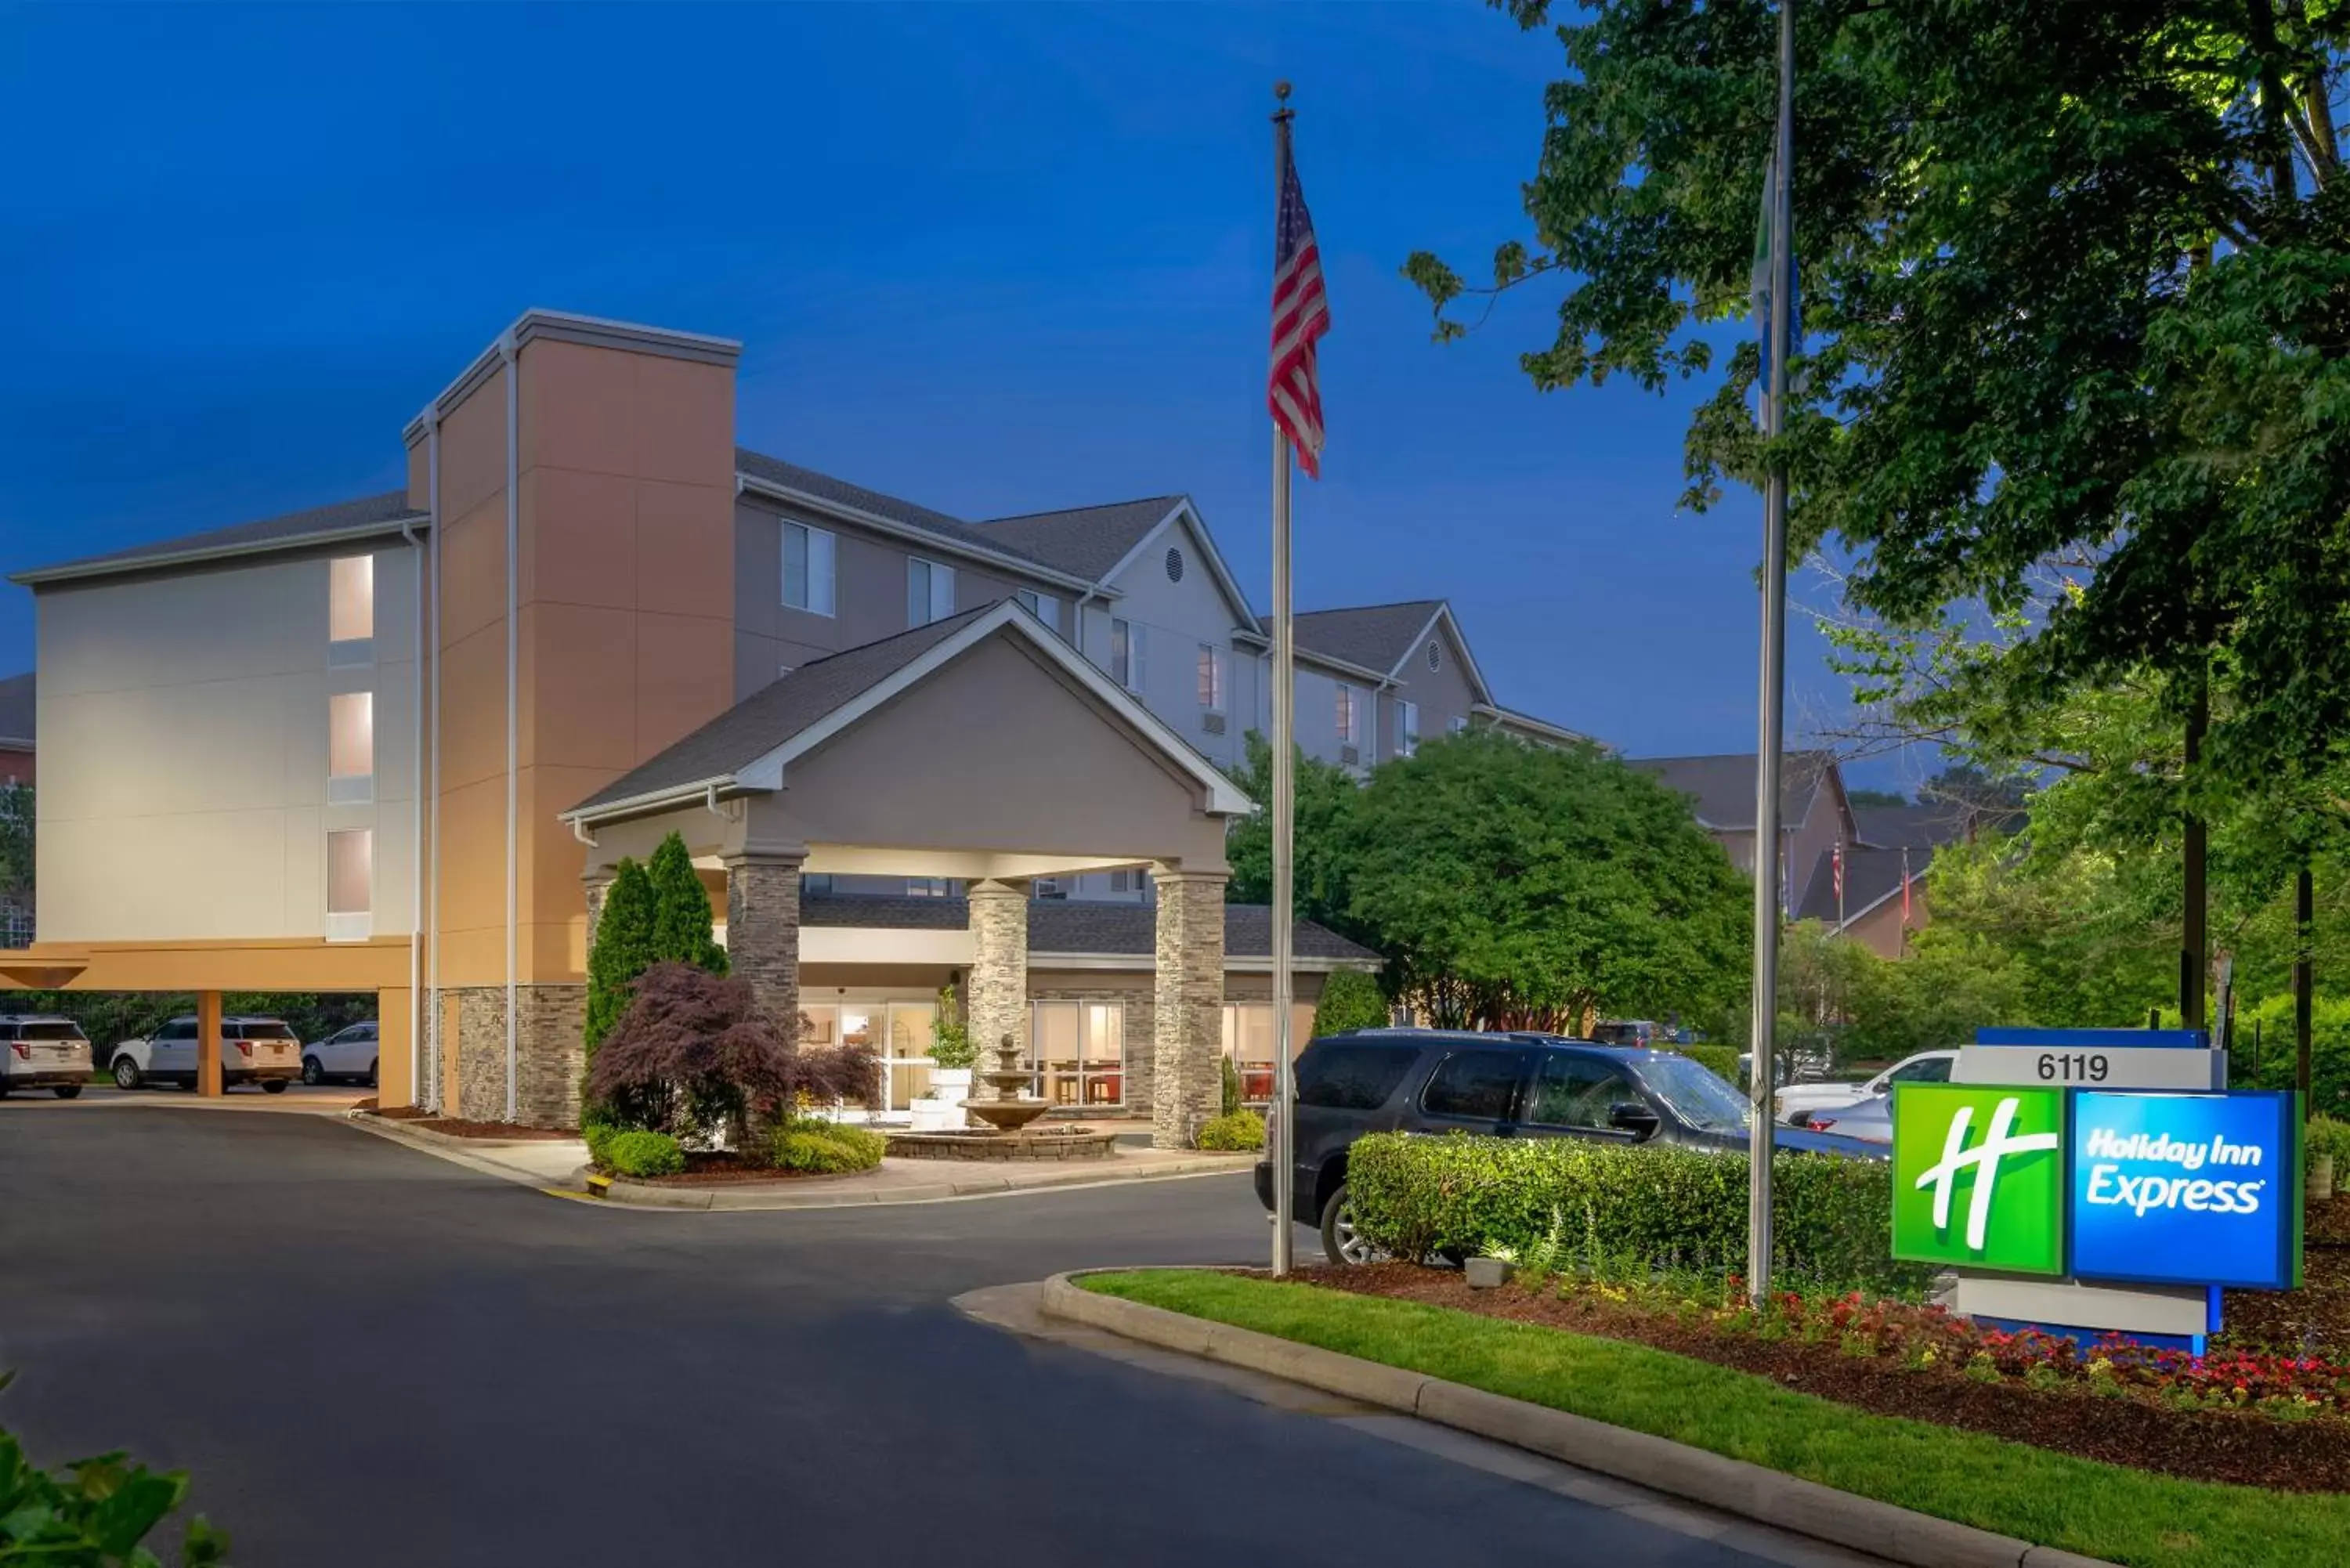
951,1062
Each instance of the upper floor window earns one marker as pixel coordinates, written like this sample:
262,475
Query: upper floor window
1215,675
1126,654
929,888
1456,725
1129,881
1406,728
350,746
351,885
930,591
1044,607
1349,733
808,568
350,609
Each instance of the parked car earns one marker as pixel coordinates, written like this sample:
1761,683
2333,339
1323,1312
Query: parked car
1637,1034
1799,1100
348,1054
1869,1120
262,1051
42,1050
1788,1066
1508,1085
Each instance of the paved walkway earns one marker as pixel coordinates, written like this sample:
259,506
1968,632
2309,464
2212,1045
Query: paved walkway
370,1358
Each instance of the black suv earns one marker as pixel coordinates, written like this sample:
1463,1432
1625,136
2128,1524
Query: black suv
1505,1086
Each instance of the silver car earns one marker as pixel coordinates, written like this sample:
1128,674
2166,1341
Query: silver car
1870,1121
42,1050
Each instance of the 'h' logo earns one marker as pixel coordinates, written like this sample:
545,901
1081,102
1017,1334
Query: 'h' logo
2001,1141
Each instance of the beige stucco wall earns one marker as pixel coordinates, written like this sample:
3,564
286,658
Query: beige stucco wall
183,724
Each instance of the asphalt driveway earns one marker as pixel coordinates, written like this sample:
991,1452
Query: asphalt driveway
370,1357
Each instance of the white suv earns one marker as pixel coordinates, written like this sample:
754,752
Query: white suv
42,1050
253,1051
1798,1102
347,1054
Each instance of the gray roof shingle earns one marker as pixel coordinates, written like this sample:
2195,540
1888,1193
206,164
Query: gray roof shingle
386,512
16,707
1870,877
824,487
1374,637
778,711
1723,785
1076,926
1919,827
1083,541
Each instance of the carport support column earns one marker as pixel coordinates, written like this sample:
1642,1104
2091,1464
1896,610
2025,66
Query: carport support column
208,1043
1187,1086
996,995
762,928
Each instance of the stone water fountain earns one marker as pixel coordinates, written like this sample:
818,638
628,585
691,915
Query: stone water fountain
1007,1109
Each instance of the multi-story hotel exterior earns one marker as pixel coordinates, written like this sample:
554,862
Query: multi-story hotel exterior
398,743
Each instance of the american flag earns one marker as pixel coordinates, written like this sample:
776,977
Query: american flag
1301,314
1837,859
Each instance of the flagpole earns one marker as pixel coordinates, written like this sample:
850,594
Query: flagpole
1773,696
1285,702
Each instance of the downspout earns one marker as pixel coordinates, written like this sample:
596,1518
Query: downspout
433,480
416,822
506,351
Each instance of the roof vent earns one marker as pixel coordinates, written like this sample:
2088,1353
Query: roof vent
1435,656
1174,565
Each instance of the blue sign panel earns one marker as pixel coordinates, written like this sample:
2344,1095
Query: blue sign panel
2092,1039
2186,1189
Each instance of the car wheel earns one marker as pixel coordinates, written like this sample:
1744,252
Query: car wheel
4,1088
1340,1241
126,1074
313,1074
370,1079
66,1091
273,1086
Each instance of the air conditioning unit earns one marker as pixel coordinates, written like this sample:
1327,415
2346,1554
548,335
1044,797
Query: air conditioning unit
1213,723
1350,755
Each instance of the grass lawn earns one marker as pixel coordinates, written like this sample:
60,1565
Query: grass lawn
2104,1511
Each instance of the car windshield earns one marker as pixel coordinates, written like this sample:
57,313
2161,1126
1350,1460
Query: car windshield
1695,1094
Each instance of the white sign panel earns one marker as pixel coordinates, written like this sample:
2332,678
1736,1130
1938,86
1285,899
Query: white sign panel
2092,1066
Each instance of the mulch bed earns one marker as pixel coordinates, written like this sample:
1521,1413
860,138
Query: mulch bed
2243,1447
458,1127
2316,1319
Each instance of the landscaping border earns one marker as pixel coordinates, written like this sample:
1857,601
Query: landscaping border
622,1191
1733,1486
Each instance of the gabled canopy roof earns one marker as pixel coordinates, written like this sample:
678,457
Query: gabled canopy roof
748,747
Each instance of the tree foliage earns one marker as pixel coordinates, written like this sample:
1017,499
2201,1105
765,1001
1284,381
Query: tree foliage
2077,295
622,949
1350,1000
1325,797
696,1052
683,929
1527,887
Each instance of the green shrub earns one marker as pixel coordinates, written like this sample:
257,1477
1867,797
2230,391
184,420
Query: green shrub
644,1154
1350,1000
2323,1135
1719,1060
818,1148
1613,1207
599,1137
1231,1077
1236,1133
622,949
94,1513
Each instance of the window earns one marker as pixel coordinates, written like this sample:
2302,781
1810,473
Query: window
930,887
1347,735
1577,1092
1250,1046
808,569
930,591
1046,887
1126,881
351,885
350,746
817,882
1480,1084
1044,607
1406,728
1937,1071
1456,725
1214,676
1352,1077
350,609
1126,654
1080,1053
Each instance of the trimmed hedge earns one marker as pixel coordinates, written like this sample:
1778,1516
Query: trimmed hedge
818,1148
2323,1135
1721,1060
1608,1207
1235,1134
643,1154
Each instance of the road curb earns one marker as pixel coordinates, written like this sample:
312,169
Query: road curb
1733,1486
457,1150
625,1193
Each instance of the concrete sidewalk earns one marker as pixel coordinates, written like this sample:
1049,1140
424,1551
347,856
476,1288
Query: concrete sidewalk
558,1166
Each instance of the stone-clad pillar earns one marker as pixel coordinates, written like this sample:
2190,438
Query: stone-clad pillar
1187,1018
996,995
762,928
598,884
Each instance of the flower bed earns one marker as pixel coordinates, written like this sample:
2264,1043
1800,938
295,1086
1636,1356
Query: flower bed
2255,1419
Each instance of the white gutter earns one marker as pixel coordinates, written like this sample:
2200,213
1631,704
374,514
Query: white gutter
41,576
432,478
506,352
416,828
674,794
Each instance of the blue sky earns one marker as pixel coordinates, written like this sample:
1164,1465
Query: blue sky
990,258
